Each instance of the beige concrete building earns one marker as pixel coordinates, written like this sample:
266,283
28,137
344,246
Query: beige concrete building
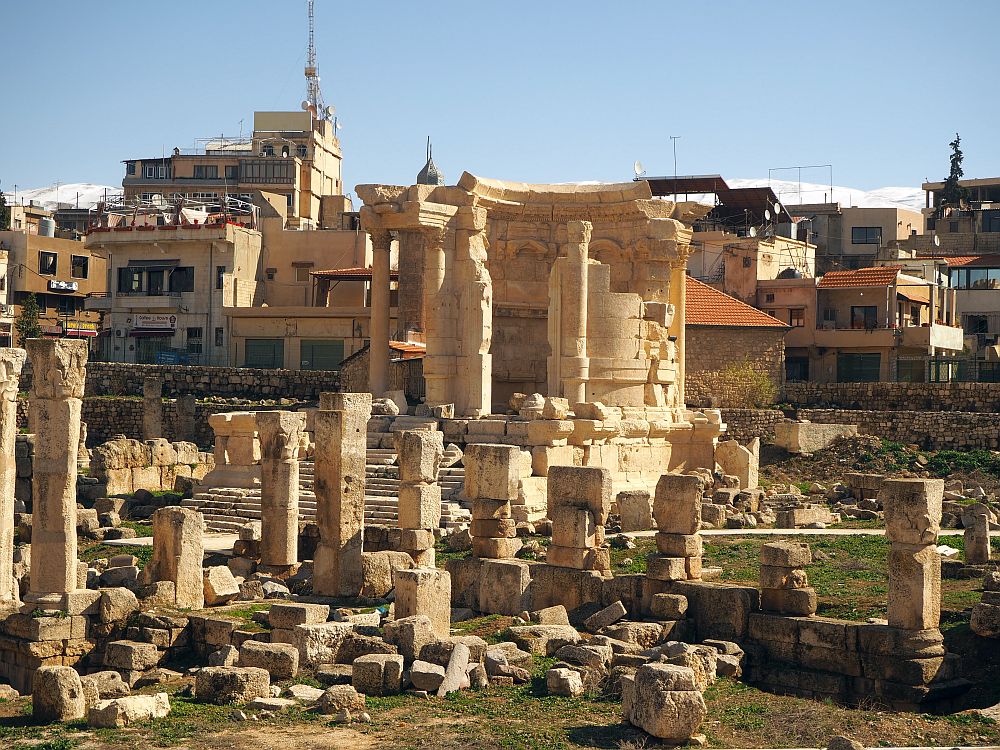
869,324
60,273
735,264
293,154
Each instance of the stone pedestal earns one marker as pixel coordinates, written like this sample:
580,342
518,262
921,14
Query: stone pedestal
59,372
977,538
579,501
152,409
186,410
784,585
279,487
677,513
178,553
11,362
341,424
237,450
492,481
425,591
420,453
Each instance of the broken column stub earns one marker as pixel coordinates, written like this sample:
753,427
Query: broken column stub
912,520
341,427
178,553
279,487
784,585
59,373
976,520
677,513
492,481
152,408
420,453
579,501
424,591
11,363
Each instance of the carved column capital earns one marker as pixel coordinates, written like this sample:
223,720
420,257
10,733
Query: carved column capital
381,239
59,368
11,364
683,253
279,433
434,236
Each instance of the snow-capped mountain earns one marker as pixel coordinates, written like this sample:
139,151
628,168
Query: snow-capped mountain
792,192
88,194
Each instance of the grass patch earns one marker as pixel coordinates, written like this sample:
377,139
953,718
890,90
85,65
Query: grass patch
106,551
140,529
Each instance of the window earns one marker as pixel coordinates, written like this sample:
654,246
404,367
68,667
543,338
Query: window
220,272
182,279
866,235
772,313
747,262
830,315
952,226
288,200
3,283
264,353
303,152
232,172
269,272
268,150
47,263
769,298
266,171
194,340
129,280
149,171
220,334
864,316
65,305
976,324
797,368
207,197
302,273
147,196
914,315
80,266
130,167
206,172
858,368
321,354
797,318
154,282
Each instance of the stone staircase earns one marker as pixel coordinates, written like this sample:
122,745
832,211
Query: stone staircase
227,509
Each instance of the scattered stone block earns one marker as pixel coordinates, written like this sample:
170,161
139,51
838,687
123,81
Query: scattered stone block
235,685
563,681
220,587
378,674
123,712
663,700
57,695
607,616
426,676
281,660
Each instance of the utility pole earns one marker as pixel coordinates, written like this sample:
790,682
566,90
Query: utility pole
673,139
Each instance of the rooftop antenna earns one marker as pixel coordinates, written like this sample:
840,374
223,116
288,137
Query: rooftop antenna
313,94
674,138
637,168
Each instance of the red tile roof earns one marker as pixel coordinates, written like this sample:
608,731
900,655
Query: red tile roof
707,306
347,274
409,349
981,261
878,276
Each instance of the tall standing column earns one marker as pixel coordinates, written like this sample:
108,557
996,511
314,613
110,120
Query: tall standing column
11,362
279,488
678,297
341,443
378,351
574,364
59,371
441,312
152,408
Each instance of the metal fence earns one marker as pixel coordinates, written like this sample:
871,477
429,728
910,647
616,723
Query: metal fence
947,370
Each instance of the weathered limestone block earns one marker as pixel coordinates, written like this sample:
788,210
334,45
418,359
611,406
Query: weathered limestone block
420,453
502,585
914,586
178,552
912,509
279,486
409,635
286,615
420,506
152,408
236,685
806,437
592,558
492,471
585,487
425,591
786,554
378,674
677,503
663,700
131,655
636,510
977,539
116,713
341,425
679,545
57,695
563,681
378,569
742,462
573,527
11,362
220,586
281,660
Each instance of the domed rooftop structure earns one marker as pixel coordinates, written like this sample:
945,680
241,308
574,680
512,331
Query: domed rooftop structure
430,175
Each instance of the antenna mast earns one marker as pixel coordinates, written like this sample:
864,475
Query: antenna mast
314,97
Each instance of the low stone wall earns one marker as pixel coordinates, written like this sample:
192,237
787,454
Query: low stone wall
950,430
746,424
711,349
125,466
938,397
119,379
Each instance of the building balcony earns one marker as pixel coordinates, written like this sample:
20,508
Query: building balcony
97,302
937,335
146,301
856,338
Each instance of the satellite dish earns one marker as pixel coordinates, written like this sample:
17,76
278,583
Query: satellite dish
329,111
767,215
637,168
753,231
937,241
340,125
777,209
305,105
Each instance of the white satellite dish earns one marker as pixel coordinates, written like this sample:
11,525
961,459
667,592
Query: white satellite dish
329,111
305,105
777,209
767,215
937,241
753,231
637,168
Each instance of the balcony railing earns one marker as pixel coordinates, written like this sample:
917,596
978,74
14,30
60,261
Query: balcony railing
147,293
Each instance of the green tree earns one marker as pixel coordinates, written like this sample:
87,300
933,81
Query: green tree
4,213
953,193
27,325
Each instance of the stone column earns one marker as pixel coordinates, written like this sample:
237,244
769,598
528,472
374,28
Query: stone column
474,326
279,488
574,367
912,522
341,444
579,501
784,585
178,554
677,512
186,408
59,372
11,362
420,453
378,352
678,297
977,534
492,482
441,314
152,408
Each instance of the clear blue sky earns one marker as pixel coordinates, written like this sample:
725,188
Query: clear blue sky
541,91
